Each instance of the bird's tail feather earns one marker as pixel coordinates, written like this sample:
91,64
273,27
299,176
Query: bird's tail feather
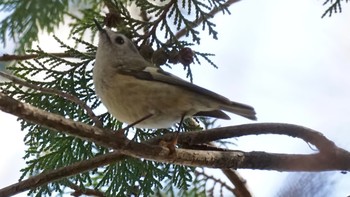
240,109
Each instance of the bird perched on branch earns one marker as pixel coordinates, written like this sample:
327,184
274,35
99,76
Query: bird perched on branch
134,90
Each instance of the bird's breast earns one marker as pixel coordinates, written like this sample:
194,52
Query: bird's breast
130,99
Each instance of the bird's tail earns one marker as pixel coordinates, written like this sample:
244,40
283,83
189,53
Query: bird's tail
240,109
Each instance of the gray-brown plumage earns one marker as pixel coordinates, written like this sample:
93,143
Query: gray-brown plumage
132,88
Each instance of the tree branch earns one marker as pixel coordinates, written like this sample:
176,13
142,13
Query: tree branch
308,135
60,173
334,159
7,57
222,183
241,189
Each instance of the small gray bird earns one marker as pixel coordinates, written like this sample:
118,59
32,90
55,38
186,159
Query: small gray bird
132,88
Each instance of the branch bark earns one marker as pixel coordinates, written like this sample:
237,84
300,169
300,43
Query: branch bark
338,159
240,184
329,156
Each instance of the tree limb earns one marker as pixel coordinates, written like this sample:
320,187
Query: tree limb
337,159
201,137
334,159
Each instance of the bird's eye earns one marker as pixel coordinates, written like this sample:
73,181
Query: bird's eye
119,40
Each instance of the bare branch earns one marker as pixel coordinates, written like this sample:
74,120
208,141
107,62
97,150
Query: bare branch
241,189
101,137
308,135
335,159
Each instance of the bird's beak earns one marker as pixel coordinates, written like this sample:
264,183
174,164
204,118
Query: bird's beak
101,30
99,27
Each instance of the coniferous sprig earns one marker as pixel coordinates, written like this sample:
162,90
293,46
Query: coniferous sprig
160,19
66,89
48,150
26,18
335,7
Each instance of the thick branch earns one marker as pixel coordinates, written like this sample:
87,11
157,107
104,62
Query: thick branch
338,160
58,123
335,159
308,135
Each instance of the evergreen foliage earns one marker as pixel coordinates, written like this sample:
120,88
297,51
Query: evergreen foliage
62,81
335,6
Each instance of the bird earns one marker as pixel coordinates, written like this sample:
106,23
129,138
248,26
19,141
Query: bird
137,92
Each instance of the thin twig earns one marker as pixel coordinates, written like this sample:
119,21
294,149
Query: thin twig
86,192
241,189
65,95
156,22
223,184
145,18
7,57
197,22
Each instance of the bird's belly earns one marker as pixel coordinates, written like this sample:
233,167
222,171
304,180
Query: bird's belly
131,100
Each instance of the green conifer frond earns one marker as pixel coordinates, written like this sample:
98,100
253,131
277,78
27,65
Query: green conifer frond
334,7
64,86
26,18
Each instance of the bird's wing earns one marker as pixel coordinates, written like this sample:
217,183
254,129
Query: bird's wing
159,75
152,73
